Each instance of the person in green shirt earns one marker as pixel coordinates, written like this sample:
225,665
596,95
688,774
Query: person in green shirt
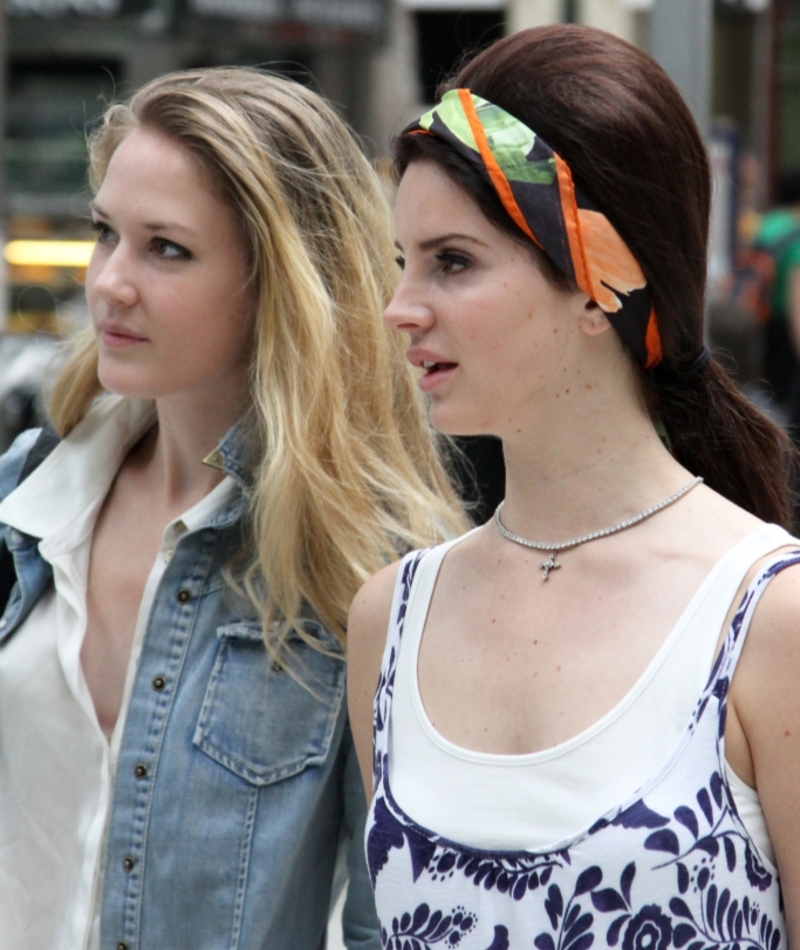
779,233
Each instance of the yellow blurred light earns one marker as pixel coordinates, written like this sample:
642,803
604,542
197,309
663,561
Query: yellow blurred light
49,253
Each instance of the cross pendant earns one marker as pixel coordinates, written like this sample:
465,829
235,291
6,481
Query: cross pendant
549,565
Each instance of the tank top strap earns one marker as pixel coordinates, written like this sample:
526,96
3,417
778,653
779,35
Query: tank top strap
383,694
416,577
725,665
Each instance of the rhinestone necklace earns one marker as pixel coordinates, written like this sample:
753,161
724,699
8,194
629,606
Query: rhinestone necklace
550,564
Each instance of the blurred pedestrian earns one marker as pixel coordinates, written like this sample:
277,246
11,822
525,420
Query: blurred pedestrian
585,725
240,446
778,238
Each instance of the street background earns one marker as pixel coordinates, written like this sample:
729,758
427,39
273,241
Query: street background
62,61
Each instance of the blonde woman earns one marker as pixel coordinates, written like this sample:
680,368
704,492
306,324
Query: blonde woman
176,769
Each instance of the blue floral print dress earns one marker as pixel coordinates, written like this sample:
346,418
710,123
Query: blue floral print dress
673,866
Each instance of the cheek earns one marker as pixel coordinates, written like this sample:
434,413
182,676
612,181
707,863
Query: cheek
230,325
89,282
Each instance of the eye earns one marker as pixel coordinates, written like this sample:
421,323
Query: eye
400,261
452,262
169,250
103,232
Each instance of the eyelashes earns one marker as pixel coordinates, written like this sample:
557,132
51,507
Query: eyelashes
451,262
160,247
169,249
102,230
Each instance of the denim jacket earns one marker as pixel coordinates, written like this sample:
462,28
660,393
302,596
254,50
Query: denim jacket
235,783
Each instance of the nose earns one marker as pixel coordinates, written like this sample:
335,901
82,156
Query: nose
407,311
109,276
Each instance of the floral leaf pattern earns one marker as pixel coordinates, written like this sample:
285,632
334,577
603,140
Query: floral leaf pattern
423,930
673,867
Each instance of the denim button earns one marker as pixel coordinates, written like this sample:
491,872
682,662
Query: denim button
140,771
184,596
159,683
128,864
122,945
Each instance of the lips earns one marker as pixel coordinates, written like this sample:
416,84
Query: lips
430,362
113,336
433,366
436,369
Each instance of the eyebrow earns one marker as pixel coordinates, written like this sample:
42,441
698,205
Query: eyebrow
153,226
431,243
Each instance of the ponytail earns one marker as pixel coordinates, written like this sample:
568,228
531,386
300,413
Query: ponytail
716,432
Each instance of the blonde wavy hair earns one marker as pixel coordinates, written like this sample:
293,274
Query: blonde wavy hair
348,474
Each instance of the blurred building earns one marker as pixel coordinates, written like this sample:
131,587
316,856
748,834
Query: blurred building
66,59
379,60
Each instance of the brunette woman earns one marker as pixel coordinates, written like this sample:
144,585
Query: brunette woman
586,720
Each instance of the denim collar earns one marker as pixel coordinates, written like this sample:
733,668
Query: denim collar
236,453
84,465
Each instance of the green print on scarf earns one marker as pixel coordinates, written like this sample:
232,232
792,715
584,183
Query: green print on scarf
510,141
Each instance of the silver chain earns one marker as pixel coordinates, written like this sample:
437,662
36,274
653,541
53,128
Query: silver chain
551,565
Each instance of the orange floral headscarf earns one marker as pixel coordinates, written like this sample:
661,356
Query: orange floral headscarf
536,188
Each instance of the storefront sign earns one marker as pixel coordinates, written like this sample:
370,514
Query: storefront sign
49,8
77,8
364,16
360,16
260,11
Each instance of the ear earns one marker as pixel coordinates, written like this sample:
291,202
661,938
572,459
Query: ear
592,321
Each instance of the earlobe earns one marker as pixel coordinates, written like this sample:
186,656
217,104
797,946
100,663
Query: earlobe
592,320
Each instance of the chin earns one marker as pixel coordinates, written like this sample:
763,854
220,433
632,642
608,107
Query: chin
120,384
453,426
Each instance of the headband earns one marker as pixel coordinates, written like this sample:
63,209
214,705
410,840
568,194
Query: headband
535,187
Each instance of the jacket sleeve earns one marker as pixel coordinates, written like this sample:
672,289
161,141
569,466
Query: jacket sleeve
359,919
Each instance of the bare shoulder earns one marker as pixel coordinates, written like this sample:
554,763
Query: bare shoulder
776,621
766,704
771,654
369,612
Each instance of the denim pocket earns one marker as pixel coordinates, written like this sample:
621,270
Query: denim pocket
261,721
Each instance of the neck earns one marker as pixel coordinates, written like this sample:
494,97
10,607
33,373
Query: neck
173,451
587,468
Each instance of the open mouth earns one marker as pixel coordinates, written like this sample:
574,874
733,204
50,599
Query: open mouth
432,367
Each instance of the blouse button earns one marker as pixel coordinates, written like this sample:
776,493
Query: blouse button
159,683
184,596
140,771
128,864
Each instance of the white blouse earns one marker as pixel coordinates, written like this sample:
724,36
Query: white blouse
56,765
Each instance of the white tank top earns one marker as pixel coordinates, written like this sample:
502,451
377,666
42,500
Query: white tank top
533,801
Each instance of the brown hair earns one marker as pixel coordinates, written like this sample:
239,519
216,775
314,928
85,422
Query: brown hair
633,147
